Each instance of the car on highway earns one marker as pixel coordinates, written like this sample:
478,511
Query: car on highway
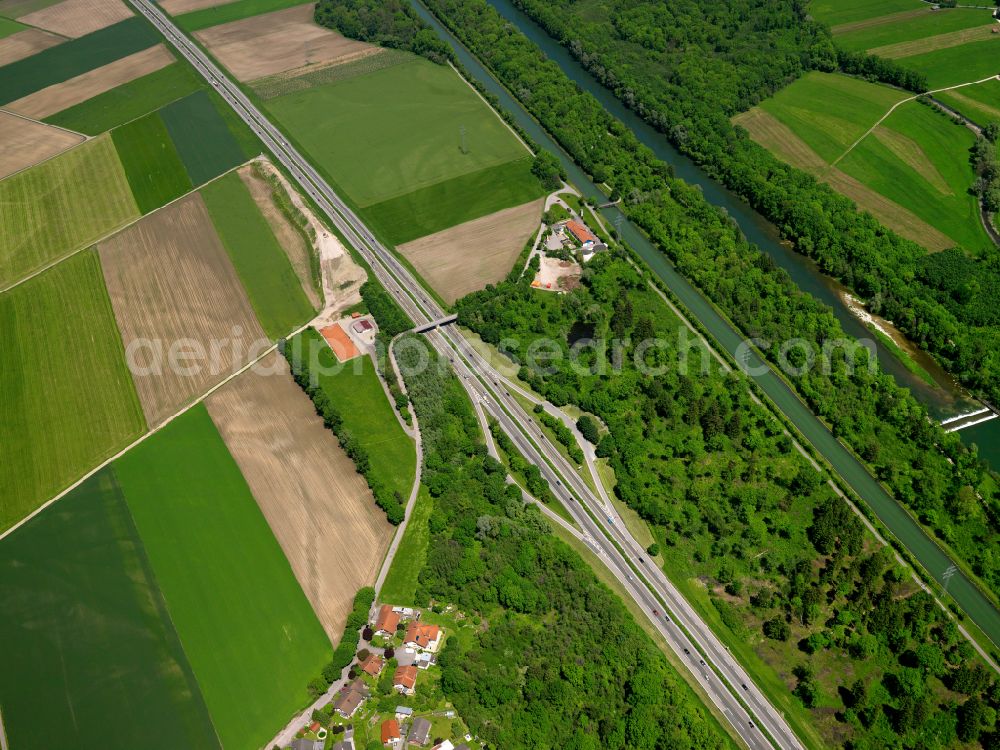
687,652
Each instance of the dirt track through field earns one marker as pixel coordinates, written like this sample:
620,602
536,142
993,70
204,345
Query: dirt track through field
780,140
171,281
25,44
287,234
60,96
469,256
940,41
75,18
275,42
318,506
26,142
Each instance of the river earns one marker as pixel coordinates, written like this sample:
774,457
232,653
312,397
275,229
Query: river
758,230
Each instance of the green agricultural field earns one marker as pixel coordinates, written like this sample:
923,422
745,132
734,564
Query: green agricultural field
202,19
252,145
249,632
59,63
129,101
454,201
18,8
401,582
91,660
830,111
154,169
66,398
60,205
396,130
8,27
980,103
835,12
358,395
926,171
203,141
953,65
262,264
927,24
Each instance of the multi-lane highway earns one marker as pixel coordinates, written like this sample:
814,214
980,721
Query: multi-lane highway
721,677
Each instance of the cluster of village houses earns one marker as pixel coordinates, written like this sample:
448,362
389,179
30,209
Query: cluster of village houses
562,241
421,642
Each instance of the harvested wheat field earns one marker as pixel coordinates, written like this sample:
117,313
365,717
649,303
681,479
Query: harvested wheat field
274,42
471,255
60,96
27,142
25,44
76,18
319,507
176,7
291,237
172,285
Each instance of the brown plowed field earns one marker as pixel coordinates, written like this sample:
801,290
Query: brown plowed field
176,7
170,280
60,96
479,252
340,342
27,142
25,44
274,42
75,18
318,506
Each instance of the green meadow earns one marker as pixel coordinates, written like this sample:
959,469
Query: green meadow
129,101
980,103
67,401
927,171
90,657
400,586
835,12
202,139
8,27
233,11
973,61
76,56
358,395
154,169
261,263
396,130
930,23
250,635
61,205
830,111
455,201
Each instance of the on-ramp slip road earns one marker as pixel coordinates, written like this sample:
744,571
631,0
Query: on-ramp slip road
741,702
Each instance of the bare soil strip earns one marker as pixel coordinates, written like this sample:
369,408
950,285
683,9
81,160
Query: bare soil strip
934,43
26,142
275,42
289,236
909,152
869,23
320,509
900,220
479,252
781,140
25,44
172,285
60,96
75,18
176,7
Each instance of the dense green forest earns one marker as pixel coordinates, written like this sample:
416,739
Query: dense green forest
559,662
687,67
928,470
388,23
785,563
